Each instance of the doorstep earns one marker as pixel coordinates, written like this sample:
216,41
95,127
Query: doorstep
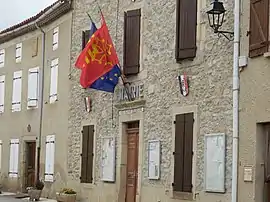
41,199
7,194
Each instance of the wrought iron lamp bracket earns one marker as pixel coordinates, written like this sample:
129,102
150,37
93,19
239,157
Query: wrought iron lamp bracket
226,34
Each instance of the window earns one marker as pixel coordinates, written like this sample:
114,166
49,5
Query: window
87,154
2,58
259,26
33,75
1,142
54,80
55,38
49,158
14,158
34,46
2,93
183,153
17,91
85,38
132,33
18,53
186,25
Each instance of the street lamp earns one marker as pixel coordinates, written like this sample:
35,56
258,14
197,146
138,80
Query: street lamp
216,19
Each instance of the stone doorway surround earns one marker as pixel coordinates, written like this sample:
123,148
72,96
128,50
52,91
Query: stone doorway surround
128,115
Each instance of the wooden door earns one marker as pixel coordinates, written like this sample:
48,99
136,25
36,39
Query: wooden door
132,164
30,163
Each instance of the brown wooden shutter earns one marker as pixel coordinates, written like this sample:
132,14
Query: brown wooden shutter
90,154
132,30
186,25
84,154
259,26
183,153
267,153
85,38
188,153
179,152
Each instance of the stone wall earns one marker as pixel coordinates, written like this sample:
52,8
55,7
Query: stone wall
210,75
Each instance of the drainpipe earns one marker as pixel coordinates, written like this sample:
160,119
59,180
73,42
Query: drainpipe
40,100
236,88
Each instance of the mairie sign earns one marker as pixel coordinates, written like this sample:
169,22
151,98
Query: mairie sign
136,92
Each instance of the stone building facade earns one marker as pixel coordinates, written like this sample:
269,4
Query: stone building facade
21,66
158,104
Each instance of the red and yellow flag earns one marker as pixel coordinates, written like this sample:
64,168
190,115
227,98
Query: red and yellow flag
98,57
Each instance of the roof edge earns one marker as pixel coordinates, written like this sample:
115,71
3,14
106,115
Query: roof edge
44,17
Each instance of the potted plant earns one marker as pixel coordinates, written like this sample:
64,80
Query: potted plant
35,192
66,195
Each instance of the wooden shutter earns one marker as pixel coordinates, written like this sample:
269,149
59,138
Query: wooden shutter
34,46
49,158
17,91
84,154
178,153
186,25
85,38
267,153
259,25
132,30
2,58
54,81
183,153
32,87
188,153
14,158
2,93
87,154
18,56
90,154
1,142
55,38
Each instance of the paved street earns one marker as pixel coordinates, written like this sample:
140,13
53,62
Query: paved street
10,199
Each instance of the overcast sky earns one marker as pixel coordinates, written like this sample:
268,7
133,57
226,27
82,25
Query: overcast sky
15,11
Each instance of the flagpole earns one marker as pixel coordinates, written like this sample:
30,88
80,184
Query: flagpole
122,75
89,17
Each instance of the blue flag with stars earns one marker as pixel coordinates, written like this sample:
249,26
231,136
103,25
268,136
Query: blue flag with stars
108,81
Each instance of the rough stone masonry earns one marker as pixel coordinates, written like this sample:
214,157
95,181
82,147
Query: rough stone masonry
210,75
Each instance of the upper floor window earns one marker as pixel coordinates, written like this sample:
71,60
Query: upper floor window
186,26
18,56
17,91
2,93
54,81
258,27
55,38
33,84
132,34
2,58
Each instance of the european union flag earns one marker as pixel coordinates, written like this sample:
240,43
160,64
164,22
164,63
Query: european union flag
93,29
108,81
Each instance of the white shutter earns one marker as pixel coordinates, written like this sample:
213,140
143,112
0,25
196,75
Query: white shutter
49,158
54,80
14,158
1,155
2,58
55,38
18,52
2,93
33,75
17,91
